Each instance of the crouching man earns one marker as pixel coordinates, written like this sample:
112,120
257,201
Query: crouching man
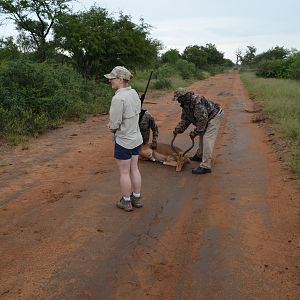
147,123
206,115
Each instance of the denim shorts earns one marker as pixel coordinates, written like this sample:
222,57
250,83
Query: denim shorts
124,153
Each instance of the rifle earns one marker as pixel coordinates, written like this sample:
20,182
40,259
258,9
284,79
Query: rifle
142,98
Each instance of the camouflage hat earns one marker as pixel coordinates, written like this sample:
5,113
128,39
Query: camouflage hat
179,93
119,72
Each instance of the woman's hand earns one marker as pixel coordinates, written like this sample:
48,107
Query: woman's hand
111,130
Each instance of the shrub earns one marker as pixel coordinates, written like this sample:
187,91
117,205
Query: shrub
171,56
34,96
275,68
165,71
214,69
294,68
186,69
163,83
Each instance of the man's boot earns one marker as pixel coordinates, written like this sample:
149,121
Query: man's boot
196,158
201,170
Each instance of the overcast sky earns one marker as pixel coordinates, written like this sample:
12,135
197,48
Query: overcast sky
229,24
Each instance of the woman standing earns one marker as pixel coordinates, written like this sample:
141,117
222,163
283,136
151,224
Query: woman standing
124,124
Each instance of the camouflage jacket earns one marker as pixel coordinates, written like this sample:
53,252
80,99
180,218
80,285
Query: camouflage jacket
146,124
196,110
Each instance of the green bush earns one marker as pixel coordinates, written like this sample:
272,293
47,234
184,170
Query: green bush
35,96
187,70
275,68
163,83
294,68
165,71
281,68
8,49
214,69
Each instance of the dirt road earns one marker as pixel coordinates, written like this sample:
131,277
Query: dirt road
231,234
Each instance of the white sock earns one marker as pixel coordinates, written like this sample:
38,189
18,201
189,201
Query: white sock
137,195
126,198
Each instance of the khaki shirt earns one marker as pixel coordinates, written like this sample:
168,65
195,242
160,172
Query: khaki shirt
124,117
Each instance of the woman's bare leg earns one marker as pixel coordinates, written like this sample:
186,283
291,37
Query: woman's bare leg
125,173
135,175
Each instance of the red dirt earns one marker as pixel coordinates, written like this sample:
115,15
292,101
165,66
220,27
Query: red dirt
231,234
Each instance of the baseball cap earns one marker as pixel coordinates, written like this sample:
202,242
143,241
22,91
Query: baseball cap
119,72
179,93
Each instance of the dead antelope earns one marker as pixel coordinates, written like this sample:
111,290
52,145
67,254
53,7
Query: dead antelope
169,155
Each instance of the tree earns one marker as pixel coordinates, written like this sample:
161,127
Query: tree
8,49
249,57
228,62
214,57
273,53
171,56
36,18
196,55
96,42
294,67
202,56
238,55
135,47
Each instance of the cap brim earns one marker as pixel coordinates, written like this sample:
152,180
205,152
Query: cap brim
109,76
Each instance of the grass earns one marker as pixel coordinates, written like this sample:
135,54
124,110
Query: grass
281,101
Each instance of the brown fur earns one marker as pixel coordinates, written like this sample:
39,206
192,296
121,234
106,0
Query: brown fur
164,154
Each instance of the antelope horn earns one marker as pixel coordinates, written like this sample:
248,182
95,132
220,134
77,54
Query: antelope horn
172,145
186,151
193,143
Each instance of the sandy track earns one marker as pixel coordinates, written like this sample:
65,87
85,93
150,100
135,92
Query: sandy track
231,234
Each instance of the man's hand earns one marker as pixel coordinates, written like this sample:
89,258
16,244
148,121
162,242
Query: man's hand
111,130
153,145
193,134
175,132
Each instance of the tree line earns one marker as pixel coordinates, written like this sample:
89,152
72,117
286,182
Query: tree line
93,41
277,62
53,70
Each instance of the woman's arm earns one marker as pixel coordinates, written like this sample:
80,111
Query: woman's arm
115,114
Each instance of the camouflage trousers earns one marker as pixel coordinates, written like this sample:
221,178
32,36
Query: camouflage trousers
207,141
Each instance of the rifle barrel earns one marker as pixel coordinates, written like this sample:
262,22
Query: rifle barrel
148,83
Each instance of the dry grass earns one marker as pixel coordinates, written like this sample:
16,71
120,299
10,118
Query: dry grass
281,103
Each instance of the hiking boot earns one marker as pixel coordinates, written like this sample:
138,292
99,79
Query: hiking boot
136,201
201,170
196,158
126,205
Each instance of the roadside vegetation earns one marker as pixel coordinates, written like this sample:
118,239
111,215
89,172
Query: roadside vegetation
53,70
38,96
273,79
